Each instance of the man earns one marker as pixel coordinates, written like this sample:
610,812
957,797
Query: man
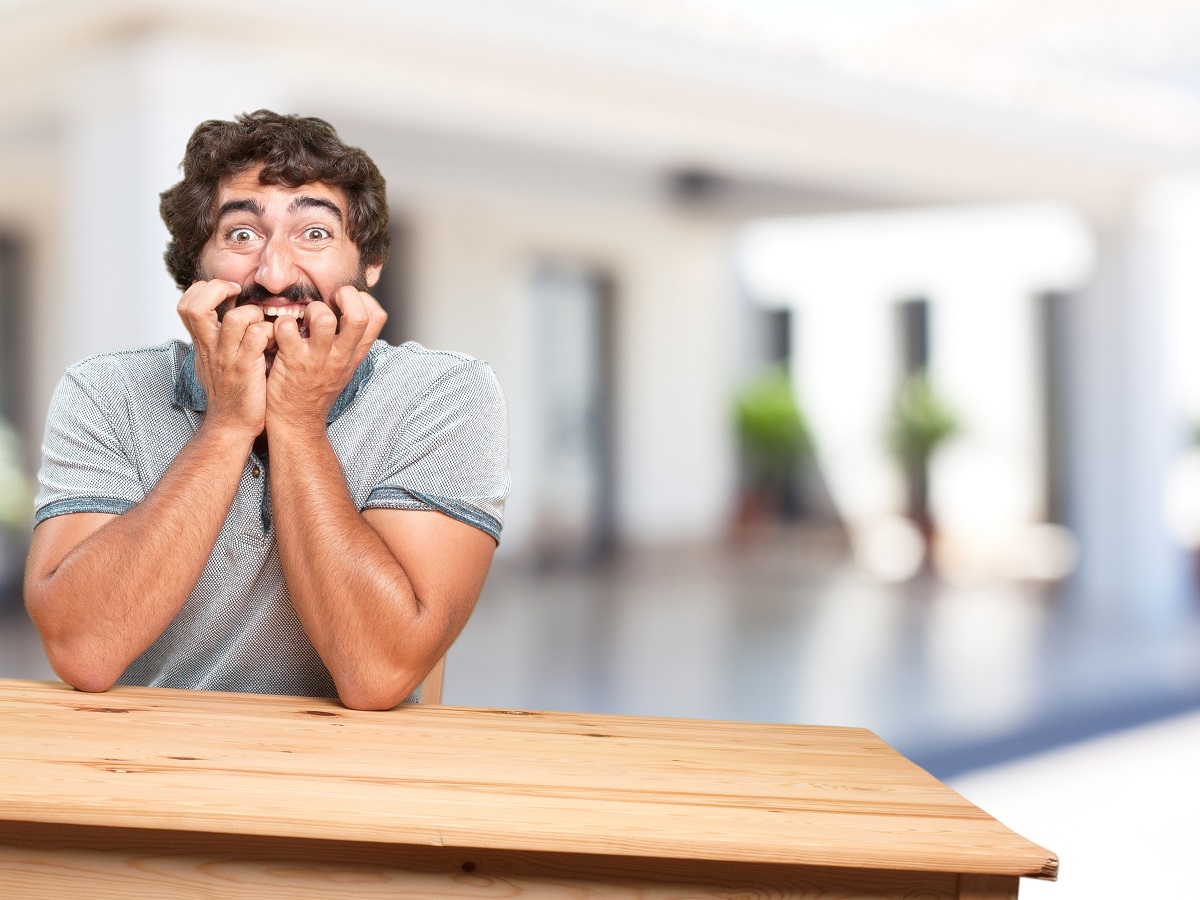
286,505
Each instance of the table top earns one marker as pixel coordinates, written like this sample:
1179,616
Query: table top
487,778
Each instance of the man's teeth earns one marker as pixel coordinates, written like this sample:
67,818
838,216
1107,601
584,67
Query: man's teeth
283,311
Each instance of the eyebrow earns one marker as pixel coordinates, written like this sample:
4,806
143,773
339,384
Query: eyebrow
254,208
247,206
306,202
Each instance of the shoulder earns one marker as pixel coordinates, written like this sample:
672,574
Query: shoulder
411,373
421,364
148,370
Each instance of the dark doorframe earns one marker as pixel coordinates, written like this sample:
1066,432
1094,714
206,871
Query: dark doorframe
1053,343
13,343
912,326
574,317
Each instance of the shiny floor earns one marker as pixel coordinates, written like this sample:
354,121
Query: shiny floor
1122,811
784,630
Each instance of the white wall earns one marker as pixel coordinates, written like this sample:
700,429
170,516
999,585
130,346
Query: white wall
980,269
674,460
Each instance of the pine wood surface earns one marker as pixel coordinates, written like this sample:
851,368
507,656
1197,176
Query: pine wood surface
47,862
152,758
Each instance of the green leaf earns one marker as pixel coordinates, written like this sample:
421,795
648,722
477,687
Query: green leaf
921,420
771,428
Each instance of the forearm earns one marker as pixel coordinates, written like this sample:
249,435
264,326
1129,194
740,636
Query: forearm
104,602
354,599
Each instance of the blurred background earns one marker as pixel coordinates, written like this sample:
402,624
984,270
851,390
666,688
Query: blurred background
850,348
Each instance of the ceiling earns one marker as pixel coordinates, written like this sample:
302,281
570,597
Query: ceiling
913,100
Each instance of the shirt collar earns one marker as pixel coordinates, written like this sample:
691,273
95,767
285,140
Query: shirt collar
190,394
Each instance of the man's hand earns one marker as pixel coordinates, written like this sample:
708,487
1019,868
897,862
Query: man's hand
309,373
230,355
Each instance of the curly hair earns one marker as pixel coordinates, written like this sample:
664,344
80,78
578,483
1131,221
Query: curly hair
293,151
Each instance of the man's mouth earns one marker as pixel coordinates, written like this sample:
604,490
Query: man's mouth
296,312
289,302
292,310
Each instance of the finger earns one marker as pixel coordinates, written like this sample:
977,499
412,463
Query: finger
198,308
234,327
322,324
206,296
376,318
256,338
287,333
377,313
354,317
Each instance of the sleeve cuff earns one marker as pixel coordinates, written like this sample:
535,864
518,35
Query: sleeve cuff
403,498
111,505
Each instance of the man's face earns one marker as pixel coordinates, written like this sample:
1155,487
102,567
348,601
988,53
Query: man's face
285,246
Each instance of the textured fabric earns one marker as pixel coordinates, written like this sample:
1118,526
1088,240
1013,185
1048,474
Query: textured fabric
414,429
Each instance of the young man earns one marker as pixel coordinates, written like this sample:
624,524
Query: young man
286,505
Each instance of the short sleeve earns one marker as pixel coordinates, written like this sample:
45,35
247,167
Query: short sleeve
84,465
454,456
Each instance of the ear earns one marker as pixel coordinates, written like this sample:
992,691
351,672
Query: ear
372,274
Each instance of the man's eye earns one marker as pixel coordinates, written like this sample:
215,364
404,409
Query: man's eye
241,235
316,234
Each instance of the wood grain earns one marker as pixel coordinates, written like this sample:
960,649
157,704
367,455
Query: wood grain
114,864
486,779
987,887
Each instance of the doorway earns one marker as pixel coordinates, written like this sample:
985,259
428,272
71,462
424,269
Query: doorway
573,320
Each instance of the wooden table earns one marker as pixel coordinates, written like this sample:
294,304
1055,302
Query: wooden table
145,792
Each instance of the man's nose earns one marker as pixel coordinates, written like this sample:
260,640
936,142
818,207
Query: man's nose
276,265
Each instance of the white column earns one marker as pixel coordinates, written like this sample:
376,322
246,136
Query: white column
1122,434
845,364
675,476
128,112
989,480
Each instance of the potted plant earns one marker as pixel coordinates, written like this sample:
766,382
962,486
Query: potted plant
921,422
775,445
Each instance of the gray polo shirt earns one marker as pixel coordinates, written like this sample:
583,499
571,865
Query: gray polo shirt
414,429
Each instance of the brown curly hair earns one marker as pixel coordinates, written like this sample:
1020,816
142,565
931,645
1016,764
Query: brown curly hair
293,151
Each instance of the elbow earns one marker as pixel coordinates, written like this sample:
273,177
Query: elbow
77,665
74,658
365,702
83,678
76,668
379,694
371,700
88,683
